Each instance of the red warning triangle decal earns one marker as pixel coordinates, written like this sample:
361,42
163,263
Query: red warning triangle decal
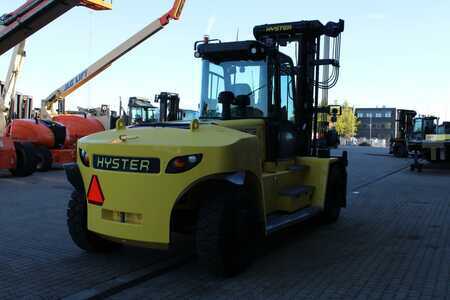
95,194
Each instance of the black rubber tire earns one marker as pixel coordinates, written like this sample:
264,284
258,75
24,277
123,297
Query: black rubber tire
335,194
44,159
226,234
77,224
26,160
396,151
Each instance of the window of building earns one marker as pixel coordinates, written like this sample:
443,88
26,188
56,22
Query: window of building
388,115
360,115
388,125
369,115
378,115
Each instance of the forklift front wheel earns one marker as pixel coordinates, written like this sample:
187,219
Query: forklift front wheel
226,234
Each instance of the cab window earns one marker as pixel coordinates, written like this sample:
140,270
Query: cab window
287,99
240,77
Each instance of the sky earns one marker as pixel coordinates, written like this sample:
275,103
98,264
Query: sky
394,53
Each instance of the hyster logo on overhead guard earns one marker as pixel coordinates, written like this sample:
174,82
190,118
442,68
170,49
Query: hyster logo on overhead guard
279,28
127,164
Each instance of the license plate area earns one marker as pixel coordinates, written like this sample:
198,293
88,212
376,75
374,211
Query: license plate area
122,217
127,164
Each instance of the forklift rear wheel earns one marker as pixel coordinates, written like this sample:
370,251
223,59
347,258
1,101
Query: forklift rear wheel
420,168
401,151
226,235
77,224
44,159
335,195
26,160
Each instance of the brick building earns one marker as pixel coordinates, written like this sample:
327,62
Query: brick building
376,122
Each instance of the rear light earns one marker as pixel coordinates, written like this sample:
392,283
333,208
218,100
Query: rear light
183,163
84,157
95,194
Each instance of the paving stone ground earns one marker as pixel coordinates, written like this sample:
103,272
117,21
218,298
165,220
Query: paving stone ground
37,257
393,241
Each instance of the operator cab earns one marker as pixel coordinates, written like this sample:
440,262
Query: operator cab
424,126
253,80
239,80
444,128
249,80
141,110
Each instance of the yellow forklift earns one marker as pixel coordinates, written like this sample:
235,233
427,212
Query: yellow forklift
432,150
140,110
249,167
169,107
404,129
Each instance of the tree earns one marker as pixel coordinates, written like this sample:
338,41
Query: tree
347,123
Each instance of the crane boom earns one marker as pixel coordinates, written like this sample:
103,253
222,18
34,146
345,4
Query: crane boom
36,14
106,61
9,89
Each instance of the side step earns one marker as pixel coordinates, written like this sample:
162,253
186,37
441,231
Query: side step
293,198
298,168
296,191
279,221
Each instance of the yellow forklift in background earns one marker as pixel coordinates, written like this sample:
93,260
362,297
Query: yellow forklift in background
142,111
250,166
404,129
433,151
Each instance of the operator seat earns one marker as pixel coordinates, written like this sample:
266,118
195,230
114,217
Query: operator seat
243,89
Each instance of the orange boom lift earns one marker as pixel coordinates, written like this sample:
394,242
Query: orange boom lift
54,137
17,155
36,14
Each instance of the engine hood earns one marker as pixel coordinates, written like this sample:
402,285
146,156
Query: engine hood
222,149
173,135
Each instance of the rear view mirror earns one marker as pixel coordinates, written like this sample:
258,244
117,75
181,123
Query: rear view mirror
334,111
